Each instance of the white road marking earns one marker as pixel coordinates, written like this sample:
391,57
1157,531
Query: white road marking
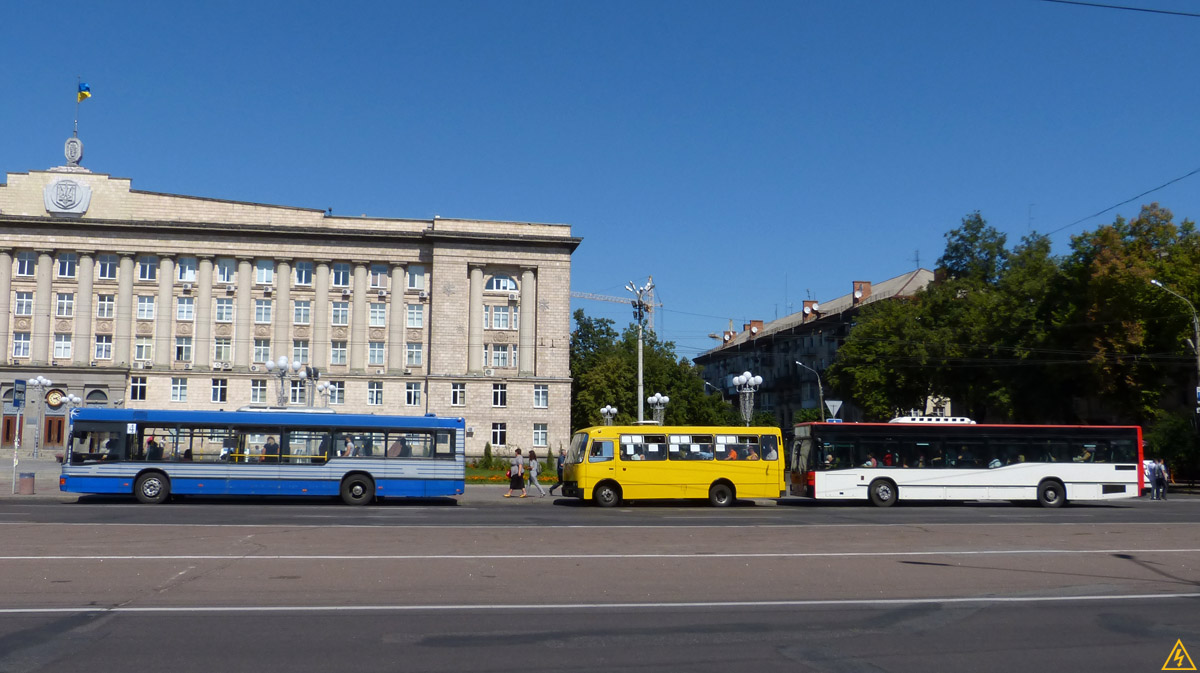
642,526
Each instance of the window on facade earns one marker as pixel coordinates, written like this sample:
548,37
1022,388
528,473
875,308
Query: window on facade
20,344
105,304
501,283
458,394
337,353
412,394
304,271
183,349
185,269
224,312
137,388
145,309
262,310
297,392
24,304
379,276
66,264
226,270
220,390
147,267
262,350
500,317
26,263
337,392
375,353
499,355
62,346
185,308
416,315
143,349
223,349
264,271
499,394
104,346
339,313
178,389
301,312
541,434
340,275
541,396
499,434
412,355
64,305
300,350
258,391
106,267
378,314
374,393
416,277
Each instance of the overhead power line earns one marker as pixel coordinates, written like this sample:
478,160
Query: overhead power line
1150,191
1128,9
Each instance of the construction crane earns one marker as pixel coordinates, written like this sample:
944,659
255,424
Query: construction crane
650,302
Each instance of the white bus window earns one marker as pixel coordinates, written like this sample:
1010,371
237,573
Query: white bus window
602,450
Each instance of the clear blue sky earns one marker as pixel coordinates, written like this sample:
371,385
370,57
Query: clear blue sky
747,154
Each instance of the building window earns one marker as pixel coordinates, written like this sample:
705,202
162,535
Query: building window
374,393
223,349
412,355
185,308
262,350
24,305
499,355
62,346
341,275
264,271
337,353
104,345
499,394
137,388
20,344
220,390
262,311
499,434
304,273
26,263
500,317
340,313
145,310
416,277
300,350
301,312
375,353
106,267
541,396
148,267
412,394
379,275
226,270
183,349
178,389
540,435
258,391
66,264
416,315
501,283
64,305
458,394
105,304
185,269
378,315
297,391
224,310
337,392
143,349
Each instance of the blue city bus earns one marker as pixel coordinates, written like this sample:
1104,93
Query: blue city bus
154,454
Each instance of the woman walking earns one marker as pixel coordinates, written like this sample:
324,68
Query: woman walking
534,468
516,474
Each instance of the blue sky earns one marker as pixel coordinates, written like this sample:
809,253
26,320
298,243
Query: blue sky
748,155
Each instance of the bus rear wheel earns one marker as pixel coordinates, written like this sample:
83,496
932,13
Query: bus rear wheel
607,495
883,493
152,488
358,489
720,495
1051,493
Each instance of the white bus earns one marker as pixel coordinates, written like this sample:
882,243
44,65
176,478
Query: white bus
913,460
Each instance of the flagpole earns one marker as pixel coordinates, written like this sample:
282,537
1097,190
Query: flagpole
78,80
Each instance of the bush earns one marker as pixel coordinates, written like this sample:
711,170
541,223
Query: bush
486,463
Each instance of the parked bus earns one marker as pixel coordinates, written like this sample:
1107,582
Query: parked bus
154,454
914,460
607,464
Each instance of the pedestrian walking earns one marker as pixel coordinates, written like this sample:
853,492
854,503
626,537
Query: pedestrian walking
1159,475
516,474
560,463
534,468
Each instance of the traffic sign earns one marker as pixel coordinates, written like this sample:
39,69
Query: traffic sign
19,393
834,406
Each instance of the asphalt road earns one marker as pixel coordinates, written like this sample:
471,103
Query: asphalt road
489,584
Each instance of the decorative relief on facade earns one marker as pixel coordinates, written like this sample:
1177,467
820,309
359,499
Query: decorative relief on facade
224,330
66,196
22,323
376,334
302,332
448,288
502,337
62,326
184,328
145,328
339,332
262,330
104,327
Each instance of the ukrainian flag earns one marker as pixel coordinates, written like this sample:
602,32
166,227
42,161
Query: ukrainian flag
85,91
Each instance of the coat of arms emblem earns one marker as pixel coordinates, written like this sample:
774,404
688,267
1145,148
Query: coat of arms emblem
67,197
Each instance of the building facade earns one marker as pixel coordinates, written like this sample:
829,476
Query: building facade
123,297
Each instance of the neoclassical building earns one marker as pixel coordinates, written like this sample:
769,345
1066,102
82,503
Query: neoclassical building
143,299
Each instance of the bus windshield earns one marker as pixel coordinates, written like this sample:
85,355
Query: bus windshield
575,453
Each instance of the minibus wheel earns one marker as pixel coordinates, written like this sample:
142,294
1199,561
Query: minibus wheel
720,495
607,495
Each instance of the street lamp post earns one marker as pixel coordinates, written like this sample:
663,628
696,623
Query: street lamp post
281,368
323,390
658,404
608,412
820,390
639,314
747,384
41,384
1194,342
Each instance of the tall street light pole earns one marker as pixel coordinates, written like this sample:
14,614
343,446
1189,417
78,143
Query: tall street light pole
639,313
1194,342
820,390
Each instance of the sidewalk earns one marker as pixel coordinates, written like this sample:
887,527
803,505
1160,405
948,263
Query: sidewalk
45,470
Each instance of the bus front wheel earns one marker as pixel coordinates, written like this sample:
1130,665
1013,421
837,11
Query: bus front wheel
152,488
720,495
883,493
358,489
1051,493
607,495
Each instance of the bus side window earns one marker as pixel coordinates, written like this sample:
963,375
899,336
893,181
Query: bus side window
444,448
602,451
770,448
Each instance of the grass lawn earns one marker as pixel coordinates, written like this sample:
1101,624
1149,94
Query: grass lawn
478,475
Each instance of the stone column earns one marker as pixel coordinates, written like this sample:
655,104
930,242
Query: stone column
123,348
397,321
243,314
475,361
164,312
42,306
358,320
83,308
204,301
6,265
527,334
318,346
283,312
